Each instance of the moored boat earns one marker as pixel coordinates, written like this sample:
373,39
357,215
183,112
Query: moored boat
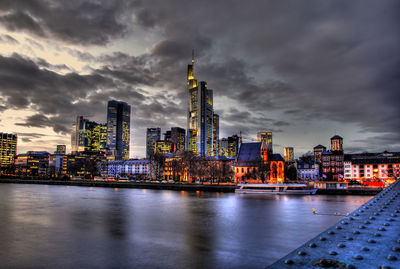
275,189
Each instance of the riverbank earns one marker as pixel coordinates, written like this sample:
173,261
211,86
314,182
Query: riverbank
135,185
173,186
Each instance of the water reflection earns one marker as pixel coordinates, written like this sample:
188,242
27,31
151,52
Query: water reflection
78,227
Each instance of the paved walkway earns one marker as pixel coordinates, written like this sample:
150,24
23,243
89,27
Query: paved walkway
367,238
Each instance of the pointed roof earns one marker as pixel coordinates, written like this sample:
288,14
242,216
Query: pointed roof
319,147
336,137
249,152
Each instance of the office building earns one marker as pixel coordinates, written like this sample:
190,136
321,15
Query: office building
8,148
215,135
266,137
163,147
288,154
88,135
118,128
177,136
152,136
200,116
32,163
61,149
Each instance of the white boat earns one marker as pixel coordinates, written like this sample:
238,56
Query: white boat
275,189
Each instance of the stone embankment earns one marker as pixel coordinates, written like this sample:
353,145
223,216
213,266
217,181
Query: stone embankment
369,237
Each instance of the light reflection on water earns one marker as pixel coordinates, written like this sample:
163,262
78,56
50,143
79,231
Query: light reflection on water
77,227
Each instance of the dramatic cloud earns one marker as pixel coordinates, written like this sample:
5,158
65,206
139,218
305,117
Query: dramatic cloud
293,67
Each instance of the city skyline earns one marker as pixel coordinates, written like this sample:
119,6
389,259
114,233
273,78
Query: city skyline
328,69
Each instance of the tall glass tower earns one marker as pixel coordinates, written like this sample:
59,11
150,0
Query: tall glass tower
152,136
118,128
200,116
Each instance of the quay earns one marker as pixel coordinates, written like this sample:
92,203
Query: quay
369,237
214,187
135,185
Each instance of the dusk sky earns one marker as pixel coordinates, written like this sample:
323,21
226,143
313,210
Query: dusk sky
304,70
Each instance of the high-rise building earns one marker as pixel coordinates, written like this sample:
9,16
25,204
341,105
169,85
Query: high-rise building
223,147
163,147
200,116
288,154
152,136
233,146
61,149
177,136
215,135
8,148
118,128
267,138
88,135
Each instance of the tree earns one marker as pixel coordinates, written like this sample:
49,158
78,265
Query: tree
157,165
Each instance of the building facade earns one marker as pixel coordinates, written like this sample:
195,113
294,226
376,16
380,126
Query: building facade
152,136
265,137
88,135
8,149
32,163
372,166
138,169
307,171
118,128
288,154
177,136
200,116
318,150
163,147
215,135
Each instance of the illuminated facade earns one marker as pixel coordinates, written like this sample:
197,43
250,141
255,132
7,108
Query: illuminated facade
318,153
215,135
229,147
8,148
152,136
267,138
139,169
118,128
307,171
163,147
255,165
332,161
372,166
177,136
61,149
88,135
200,116
288,154
32,163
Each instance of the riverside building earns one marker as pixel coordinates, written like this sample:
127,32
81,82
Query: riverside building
8,148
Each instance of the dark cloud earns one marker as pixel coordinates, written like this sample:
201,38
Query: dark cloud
75,21
318,62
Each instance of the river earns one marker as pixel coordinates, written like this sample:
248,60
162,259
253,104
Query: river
45,226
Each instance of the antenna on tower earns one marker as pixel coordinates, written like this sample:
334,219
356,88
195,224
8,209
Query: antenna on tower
192,56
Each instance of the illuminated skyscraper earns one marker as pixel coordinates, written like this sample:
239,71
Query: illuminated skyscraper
267,138
215,135
118,128
152,136
61,149
88,135
8,148
288,154
177,136
200,116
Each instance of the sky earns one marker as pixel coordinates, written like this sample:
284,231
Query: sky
303,69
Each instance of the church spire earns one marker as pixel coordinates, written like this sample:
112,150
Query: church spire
192,56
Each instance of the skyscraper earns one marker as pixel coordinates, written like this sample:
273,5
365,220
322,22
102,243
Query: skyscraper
118,128
177,136
267,138
152,136
215,134
88,135
288,154
200,116
8,148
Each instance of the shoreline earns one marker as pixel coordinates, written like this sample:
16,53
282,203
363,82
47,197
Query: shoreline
173,186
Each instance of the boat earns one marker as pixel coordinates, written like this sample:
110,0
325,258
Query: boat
275,189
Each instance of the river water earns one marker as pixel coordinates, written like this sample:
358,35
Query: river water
84,227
